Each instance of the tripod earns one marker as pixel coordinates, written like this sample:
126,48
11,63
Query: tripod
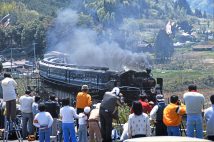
8,130
182,129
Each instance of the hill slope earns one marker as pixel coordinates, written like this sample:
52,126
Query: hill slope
203,5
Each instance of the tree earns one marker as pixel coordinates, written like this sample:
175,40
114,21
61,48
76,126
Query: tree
163,47
183,4
198,13
205,15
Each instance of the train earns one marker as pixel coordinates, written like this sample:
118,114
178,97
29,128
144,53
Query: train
101,79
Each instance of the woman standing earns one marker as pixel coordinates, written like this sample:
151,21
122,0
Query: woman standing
68,114
138,122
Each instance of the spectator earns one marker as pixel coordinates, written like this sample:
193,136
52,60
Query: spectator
9,96
35,105
108,111
52,107
83,123
172,116
83,100
138,122
43,120
124,134
94,128
145,104
194,102
2,117
67,113
156,115
209,117
26,102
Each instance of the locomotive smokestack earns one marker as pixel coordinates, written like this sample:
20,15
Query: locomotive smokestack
148,70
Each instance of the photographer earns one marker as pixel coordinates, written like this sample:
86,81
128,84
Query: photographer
172,116
109,111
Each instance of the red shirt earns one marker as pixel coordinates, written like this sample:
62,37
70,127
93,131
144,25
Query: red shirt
146,107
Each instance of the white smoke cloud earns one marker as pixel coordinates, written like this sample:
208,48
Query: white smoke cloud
83,49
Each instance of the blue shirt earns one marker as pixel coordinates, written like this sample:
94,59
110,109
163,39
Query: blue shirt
209,117
35,109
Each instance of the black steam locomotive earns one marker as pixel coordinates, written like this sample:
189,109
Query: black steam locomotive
101,79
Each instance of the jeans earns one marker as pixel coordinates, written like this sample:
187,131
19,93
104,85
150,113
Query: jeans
68,132
194,122
44,135
173,131
83,133
27,122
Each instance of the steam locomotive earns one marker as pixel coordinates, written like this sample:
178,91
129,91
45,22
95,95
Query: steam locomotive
101,79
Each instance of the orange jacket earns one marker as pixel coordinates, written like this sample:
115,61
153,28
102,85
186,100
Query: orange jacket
83,100
172,114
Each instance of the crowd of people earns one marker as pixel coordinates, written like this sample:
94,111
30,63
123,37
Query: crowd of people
85,121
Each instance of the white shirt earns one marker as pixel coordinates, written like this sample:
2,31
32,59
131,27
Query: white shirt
194,102
154,112
26,102
138,125
68,114
8,88
82,119
43,119
209,117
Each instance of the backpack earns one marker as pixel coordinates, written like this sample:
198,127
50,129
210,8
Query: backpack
159,114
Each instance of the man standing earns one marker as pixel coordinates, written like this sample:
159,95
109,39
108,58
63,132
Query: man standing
194,102
156,114
9,96
108,111
83,100
172,116
209,117
26,102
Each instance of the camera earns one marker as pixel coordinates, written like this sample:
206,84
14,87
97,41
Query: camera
179,102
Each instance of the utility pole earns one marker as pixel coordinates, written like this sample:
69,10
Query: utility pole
11,60
34,55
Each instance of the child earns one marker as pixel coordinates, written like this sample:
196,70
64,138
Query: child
68,113
43,120
35,105
83,118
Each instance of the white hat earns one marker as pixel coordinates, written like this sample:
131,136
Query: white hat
87,110
84,87
116,91
160,97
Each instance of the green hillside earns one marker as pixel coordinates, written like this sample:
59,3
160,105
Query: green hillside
203,5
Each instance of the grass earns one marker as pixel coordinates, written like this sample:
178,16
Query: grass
187,67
